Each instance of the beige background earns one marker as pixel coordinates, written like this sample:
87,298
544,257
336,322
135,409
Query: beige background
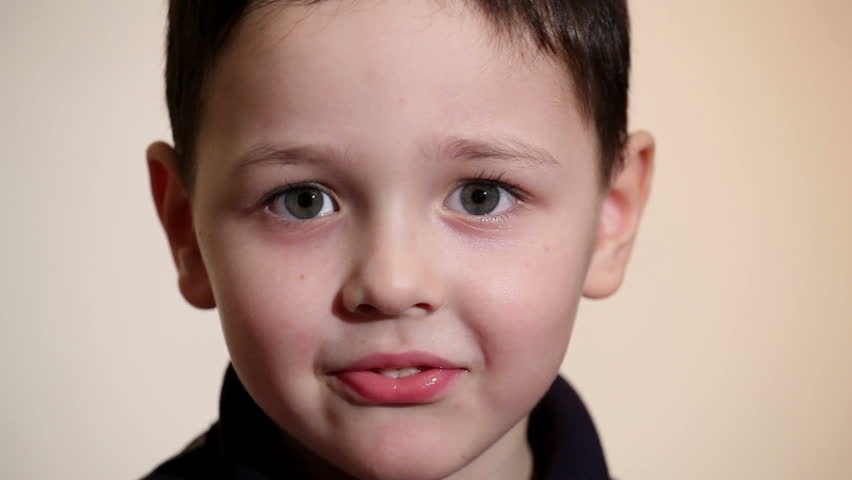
725,356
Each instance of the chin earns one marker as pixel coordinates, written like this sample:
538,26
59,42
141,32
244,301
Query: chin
420,470
406,461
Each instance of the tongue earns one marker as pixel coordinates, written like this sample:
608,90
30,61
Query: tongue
417,388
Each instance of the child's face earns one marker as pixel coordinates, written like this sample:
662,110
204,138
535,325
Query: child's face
402,237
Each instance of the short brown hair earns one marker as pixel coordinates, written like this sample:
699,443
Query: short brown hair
591,38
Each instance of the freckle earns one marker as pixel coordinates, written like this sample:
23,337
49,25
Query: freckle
301,276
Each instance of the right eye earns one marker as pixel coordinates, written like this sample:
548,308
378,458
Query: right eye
302,203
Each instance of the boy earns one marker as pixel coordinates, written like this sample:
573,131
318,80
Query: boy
395,207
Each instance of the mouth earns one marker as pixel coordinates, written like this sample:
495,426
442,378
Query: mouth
410,378
400,372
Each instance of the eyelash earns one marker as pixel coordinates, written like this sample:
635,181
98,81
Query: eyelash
485,176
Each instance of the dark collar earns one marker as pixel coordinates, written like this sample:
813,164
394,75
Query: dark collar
246,445
563,439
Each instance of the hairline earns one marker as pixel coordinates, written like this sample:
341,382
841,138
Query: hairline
506,32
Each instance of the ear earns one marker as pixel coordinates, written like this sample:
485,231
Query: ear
619,218
174,209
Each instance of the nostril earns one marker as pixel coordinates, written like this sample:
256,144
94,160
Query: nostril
370,310
424,306
367,309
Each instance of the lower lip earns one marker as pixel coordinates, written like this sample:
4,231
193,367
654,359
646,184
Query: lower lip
424,387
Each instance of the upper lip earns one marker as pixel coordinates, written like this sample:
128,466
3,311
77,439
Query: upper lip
417,359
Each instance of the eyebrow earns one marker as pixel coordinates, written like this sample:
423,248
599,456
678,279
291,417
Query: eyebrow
464,149
508,150
267,153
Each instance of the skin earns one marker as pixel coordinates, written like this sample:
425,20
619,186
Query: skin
379,90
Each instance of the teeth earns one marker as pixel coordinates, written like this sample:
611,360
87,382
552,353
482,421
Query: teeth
399,372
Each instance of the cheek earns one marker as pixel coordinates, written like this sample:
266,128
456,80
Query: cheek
530,300
274,301
522,311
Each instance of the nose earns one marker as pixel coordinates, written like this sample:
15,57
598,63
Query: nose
392,276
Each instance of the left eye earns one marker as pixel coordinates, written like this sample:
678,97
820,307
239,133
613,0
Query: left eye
302,202
481,198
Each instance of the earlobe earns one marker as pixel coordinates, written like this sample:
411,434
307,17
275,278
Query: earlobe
174,210
619,217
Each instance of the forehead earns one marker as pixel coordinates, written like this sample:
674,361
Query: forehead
384,73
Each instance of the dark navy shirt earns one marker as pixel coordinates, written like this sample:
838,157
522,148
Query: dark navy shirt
245,444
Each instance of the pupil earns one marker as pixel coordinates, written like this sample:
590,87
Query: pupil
305,199
479,196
